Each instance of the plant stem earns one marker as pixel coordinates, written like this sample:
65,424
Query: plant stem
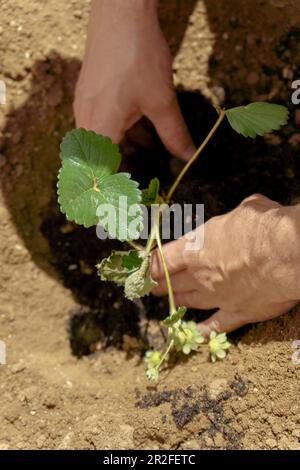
135,245
181,175
172,305
151,240
195,156
165,354
152,236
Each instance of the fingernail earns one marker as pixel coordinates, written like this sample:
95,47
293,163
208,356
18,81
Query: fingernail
204,330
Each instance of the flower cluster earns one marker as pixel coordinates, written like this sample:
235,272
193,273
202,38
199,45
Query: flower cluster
186,337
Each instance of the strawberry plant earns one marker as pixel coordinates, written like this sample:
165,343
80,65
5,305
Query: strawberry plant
91,190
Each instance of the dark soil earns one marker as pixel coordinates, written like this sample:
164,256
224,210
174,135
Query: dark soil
187,403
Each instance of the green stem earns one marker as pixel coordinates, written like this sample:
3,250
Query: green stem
165,355
172,305
151,240
181,175
195,156
152,236
135,245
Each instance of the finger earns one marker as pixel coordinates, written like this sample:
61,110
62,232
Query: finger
113,128
181,282
140,135
172,130
193,299
173,253
110,124
261,201
253,197
222,321
82,113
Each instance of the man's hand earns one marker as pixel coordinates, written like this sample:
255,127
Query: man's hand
127,73
249,267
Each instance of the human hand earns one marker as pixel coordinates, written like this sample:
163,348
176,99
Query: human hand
127,73
248,268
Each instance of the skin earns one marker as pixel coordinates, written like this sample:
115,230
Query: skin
127,73
249,265
248,268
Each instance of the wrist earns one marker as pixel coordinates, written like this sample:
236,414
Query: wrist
120,15
127,5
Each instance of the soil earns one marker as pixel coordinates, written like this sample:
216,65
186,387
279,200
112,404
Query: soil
75,377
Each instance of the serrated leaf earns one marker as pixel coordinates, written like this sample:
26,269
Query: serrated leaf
86,183
140,282
122,194
181,311
257,118
114,268
150,195
130,269
99,154
132,260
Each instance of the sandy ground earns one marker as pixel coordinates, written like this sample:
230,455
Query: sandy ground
52,400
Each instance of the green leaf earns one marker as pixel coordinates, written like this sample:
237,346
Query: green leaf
132,260
119,265
86,183
130,269
97,152
257,118
181,311
150,195
140,282
121,193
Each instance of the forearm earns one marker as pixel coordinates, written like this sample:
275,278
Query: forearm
140,4
127,9
121,16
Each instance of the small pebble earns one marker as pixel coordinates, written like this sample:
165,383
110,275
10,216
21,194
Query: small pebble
2,160
72,267
287,73
67,228
271,443
294,140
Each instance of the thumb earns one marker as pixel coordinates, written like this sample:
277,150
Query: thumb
172,130
174,257
222,321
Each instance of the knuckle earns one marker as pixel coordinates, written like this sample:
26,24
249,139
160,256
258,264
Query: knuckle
254,197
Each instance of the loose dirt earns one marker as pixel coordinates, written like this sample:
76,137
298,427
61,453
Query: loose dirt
74,376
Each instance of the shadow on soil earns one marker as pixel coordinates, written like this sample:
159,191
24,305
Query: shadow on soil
230,169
